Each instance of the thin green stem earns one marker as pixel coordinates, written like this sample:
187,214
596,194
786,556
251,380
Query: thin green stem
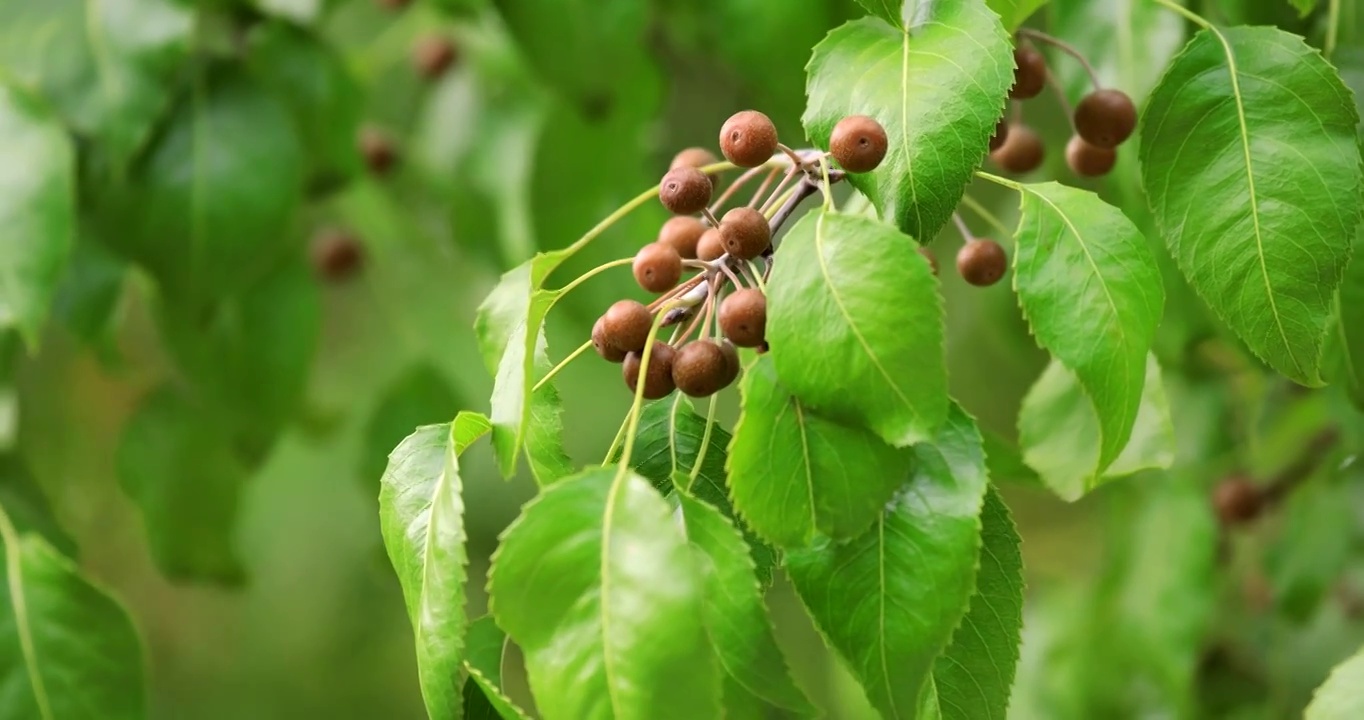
593,273
824,186
1188,14
632,422
1067,48
615,444
776,206
562,364
757,277
672,431
705,444
985,214
1332,27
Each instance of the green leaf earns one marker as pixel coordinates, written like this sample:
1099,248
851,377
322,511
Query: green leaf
523,417
975,675
37,208
69,650
888,10
28,507
483,691
1313,546
89,293
855,322
938,89
421,511
1127,44
421,395
889,600
1251,162
793,473
302,11
1014,12
177,464
104,66
597,585
1092,293
1059,432
1341,697
1346,343
733,610
1304,7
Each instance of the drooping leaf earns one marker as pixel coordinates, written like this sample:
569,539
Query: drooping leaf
483,661
1092,293
855,322
975,675
421,395
938,89
1014,12
889,600
37,207
794,473
67,649
1060,433
105,66
1346,342
1250,159
596,583
28,507
1341,697
421,511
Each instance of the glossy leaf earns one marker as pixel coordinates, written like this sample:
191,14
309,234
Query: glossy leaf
889,600
1340,697
1092,293
421,511
1346,343
794,473
67,649
856,326
1013,12
938,89
483,662
1251,162
421,395
597,585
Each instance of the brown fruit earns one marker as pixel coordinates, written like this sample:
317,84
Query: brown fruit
701,369
337,255
982,262
682,232
710,246
1001,134
1030,74
601,342
1088,160
744,232
858,143
1105,118
1021,152
684,190
433,55
658,378
732,363
748,138
657,267
697,157
932,261
743,317
377,149
626,325
1237,500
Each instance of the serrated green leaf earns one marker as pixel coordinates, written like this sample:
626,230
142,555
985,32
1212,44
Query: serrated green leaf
69,650
1251,162
421,395
1092,293
793,473
1341,697
1346,342
888,10
596,583
975,675
735,616
483,694
421,513
1013,12
28,507
37,208
855,323
889,600
938,89
1059,432
523,417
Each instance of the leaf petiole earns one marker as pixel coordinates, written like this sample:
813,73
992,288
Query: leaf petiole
705,444
562,364
592,273
985,214
632,420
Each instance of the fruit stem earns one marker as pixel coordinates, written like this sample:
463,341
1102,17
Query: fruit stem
710,217
795,196
1062,100
1332,27
592,273
767,182
684,287
562,364
824,186
1188,14
1066,48
729,272
747,271
795,157
985,215
738,183
962,228
781,187
632,425
705,443
758,276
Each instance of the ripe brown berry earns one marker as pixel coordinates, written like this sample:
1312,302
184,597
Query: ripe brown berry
1237,500
748,138
657,267
743,317
1021,152
1001,134
697,157
626,325
337,255
745,233
710,246
858,143
1030,74
701,369
601,342
682,232
433,55
1088,160
377,149
1105,118
932,261
732,363
982,262
658,378
684,190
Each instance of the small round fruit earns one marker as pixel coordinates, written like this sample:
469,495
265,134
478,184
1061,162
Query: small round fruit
700,369
1088,160
748,138
1237,500
601,342
1030,74
626,325
1105,118
982,262
858,143
732,363
657,267
658,378
710,246
377,149
1021,152
684,190
682,232
743,317
1001,134
697,157
744,232
433,55
932,261
337,255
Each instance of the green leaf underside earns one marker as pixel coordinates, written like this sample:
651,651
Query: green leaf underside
483,662
421,514
597,585
855,323
1250,160
976,673
793,473
1340,697
37,209
1059,432
67,650
735,616
1013,12
938,89
889,600
1093,295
